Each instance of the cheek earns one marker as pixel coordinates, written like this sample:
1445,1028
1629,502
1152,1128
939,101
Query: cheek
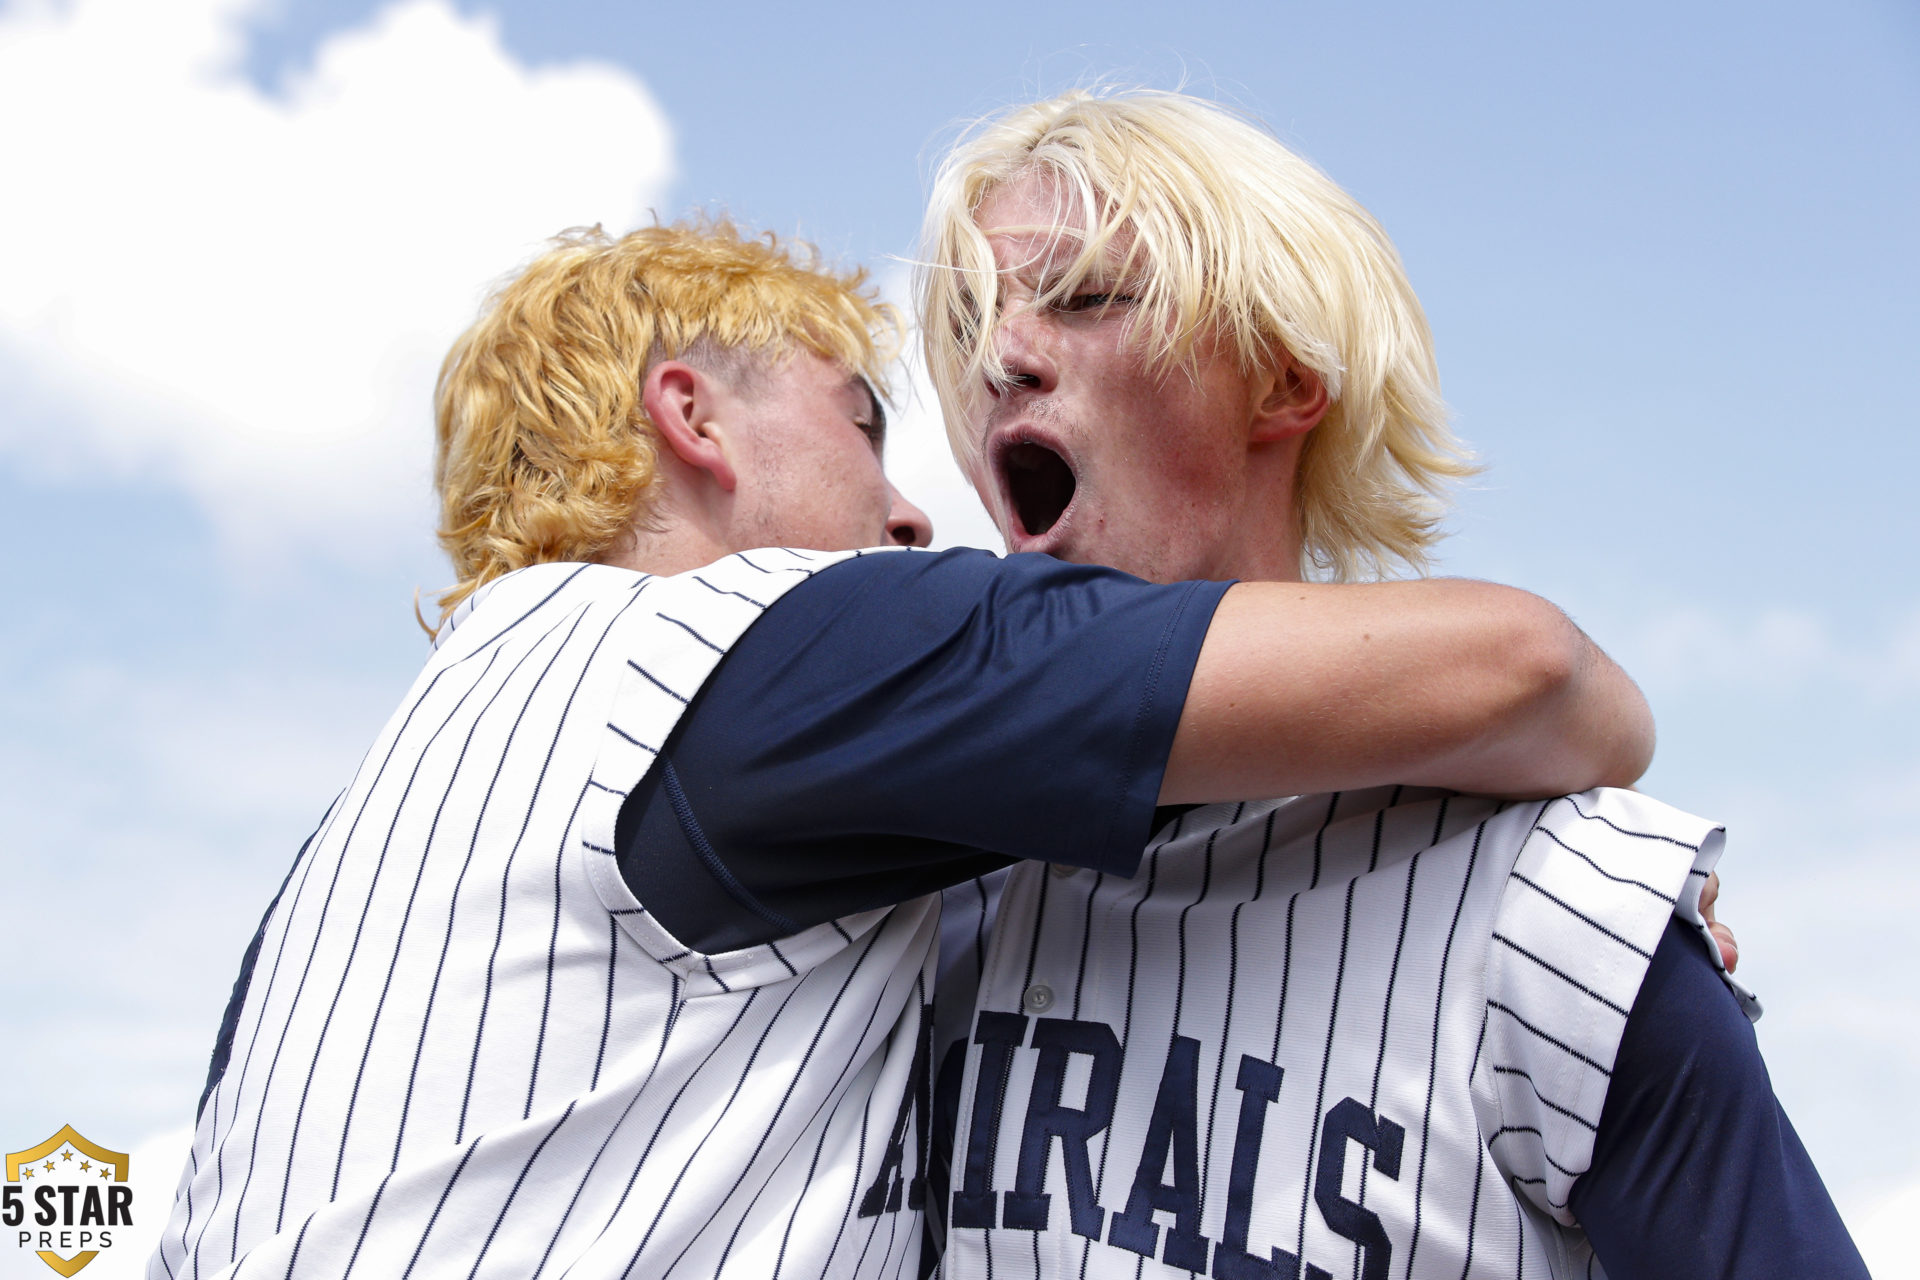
1168,454
868,489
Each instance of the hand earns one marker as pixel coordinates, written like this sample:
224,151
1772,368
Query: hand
1729,948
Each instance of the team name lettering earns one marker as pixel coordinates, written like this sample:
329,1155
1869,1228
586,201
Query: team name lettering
1166,1179
884,1195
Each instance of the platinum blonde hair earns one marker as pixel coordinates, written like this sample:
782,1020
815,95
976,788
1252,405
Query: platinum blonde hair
1221,235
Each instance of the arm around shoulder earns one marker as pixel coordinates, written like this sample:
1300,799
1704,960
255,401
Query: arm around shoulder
1304,688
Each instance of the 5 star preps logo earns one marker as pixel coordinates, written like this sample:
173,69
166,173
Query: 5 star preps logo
63,1199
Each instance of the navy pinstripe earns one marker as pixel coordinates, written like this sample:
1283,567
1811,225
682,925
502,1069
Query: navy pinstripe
464,998
1366,962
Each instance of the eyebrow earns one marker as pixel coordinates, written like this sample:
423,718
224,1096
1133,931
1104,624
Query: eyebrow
879,428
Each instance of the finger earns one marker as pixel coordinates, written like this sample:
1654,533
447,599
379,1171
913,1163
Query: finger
1729,948
1710,895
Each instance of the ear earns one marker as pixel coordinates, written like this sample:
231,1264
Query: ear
1292,402
681,402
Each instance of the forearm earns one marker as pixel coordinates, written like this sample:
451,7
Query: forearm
1306,688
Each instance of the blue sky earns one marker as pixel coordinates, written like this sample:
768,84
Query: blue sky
1668,250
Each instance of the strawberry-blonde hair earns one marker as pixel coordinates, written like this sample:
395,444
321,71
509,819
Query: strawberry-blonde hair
543,451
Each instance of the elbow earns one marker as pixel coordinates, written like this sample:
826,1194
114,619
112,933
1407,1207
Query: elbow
1596,725
1635,753
1538,709
1556,667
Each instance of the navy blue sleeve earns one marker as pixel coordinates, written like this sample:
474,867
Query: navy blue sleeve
1696,1171
903,722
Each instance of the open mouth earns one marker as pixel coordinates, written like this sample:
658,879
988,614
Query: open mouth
1040,483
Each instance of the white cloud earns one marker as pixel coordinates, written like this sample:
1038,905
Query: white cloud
1885,1232
249,293
157,811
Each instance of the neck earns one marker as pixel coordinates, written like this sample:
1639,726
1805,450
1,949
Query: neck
681,527
1265,545
1263,564
664,552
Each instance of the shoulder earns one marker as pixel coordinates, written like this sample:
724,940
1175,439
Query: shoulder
513,598
925,600
958,574
970,570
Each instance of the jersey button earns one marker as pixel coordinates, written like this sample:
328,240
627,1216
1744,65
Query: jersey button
1039,998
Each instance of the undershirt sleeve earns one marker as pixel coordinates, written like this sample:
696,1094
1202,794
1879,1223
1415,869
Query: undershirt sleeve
1696,1170
903,722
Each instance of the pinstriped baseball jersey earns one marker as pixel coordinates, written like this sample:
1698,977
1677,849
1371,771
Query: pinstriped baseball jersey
464,1047
1366,1035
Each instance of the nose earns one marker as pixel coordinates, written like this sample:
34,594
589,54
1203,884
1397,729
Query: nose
1025,361
907,524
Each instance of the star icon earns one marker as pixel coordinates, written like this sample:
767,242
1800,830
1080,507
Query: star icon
49,1166
84,1166
105,1172
66,1155
26,1171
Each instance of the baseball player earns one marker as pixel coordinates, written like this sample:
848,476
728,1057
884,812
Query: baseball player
612,959
1377,1032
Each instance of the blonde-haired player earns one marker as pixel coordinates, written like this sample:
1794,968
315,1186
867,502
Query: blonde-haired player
1215,237
1384,1032
611,959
